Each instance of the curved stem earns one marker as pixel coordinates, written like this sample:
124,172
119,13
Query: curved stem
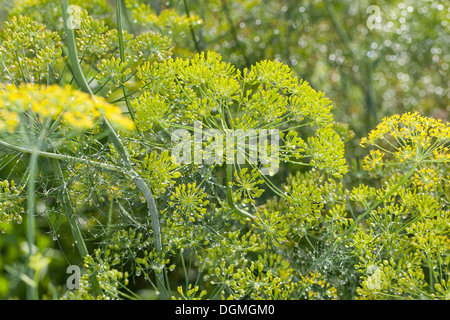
126,96
140,183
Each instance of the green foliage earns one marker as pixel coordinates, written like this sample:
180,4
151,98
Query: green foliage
300,222
28,51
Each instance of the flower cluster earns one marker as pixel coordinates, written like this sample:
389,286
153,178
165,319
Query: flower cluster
411,137
267,96
75,109
268,277
247,186
29,52
190,293
160,171
167,21
189,200
109,279
307,236
49,11
11,203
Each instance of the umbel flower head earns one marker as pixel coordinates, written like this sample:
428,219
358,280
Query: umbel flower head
75,109
28,51
267,96
410,137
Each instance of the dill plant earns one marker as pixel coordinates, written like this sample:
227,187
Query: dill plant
87,124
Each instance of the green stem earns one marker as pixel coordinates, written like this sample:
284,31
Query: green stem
31,291
72,51
188,14
122,55
122,59
229,181
20,67
63,157
362,216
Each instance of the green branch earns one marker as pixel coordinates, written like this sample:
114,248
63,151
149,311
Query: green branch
62,157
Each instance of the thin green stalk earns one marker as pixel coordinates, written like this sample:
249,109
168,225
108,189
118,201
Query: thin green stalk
63,157
122,54
362,216
103,84
20,67
130,94
74,227
31,291
122,59
188,14
227,124
72,51
184,268
9,74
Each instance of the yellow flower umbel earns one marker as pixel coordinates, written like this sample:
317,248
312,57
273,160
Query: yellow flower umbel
407,139
76,109
411,137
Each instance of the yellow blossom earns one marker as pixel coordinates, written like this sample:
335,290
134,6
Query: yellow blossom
78,109
411,137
